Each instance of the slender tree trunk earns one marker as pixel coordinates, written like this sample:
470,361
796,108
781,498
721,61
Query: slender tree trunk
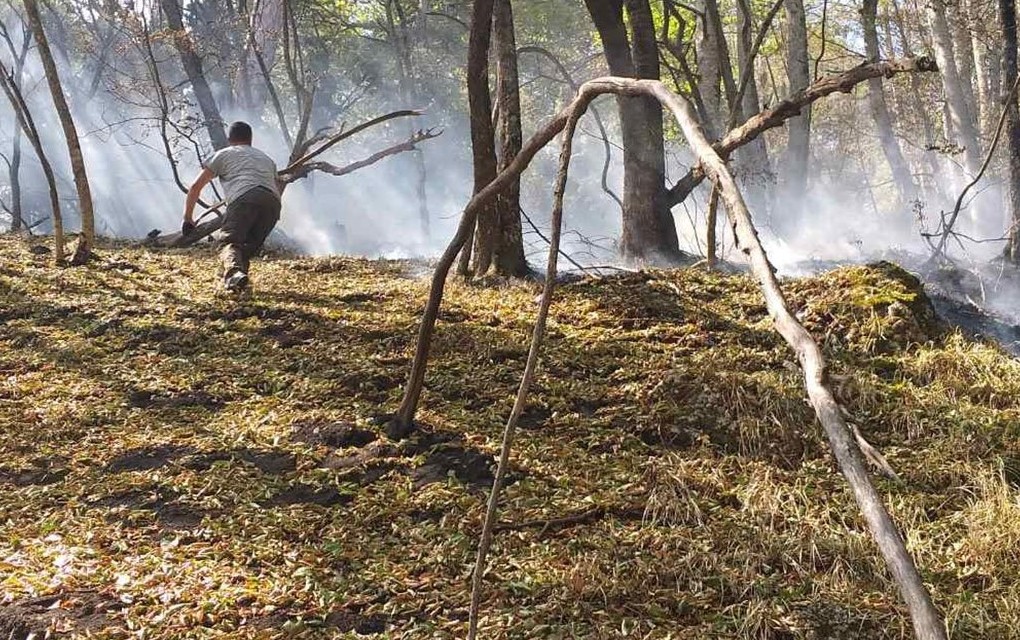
403,39
14,170
483,146
983,63
755,166
24,117
196,76
710,69
960,120
798,150
508,251
649,232
1007,12
880,111
81,180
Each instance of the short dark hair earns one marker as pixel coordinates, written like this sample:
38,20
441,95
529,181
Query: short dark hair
239,132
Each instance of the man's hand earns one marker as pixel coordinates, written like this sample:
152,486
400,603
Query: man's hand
187,228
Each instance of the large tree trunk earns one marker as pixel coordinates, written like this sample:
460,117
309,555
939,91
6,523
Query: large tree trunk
483,145
81,180
795,175
880,111
1007,12
196,76
649,232
508,250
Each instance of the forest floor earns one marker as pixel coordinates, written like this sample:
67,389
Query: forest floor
179,464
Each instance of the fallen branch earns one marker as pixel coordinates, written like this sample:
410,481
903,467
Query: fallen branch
926,619
791,107
927,622
291,174
344,134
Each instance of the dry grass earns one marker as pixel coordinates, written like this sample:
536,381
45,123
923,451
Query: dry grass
175,464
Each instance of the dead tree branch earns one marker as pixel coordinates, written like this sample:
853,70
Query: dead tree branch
300,169
791,107
926,619
946,227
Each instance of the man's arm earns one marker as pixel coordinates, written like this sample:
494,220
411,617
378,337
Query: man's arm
194,192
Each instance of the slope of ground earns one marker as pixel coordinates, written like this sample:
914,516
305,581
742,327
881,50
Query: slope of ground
174,463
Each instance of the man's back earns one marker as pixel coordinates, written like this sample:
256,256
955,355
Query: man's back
242,168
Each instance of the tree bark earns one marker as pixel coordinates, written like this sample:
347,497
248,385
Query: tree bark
710,64
960,119
649,231
755,165
1007,13
795,175
196,76
81,180
880,111
483,145
508,240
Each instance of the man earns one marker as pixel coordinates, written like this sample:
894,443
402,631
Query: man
248,178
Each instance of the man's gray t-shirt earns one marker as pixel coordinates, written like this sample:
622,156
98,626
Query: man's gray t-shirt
242,168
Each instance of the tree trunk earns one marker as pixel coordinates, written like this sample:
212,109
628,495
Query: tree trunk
984,59
1007,12
880,111
960,120
755,166
14,169
483,145
24,117
81,180
710,69
196,76
508,250
795,178
649,232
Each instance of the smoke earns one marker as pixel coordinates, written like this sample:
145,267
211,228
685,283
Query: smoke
850,213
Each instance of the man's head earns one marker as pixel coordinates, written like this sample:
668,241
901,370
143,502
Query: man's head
239,133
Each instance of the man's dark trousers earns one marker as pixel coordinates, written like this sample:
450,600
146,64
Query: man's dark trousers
246,225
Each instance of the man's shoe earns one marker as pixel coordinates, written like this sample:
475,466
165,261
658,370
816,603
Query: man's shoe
236,282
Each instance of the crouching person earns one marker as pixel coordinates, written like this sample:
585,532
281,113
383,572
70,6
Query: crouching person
248,178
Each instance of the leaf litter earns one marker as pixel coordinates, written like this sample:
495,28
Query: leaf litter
180,464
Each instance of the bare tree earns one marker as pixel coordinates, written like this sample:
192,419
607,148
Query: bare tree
18,56
1007,12
880,110
192,64
81,180
24,116
794,176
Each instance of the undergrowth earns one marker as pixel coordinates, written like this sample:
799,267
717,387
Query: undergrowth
175,463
